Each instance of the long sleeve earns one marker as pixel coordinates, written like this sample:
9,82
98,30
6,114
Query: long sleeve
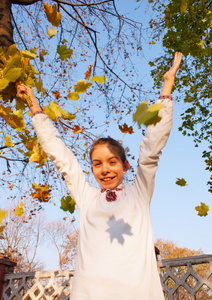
150,149
62,157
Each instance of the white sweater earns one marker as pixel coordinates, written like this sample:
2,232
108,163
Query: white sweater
116,258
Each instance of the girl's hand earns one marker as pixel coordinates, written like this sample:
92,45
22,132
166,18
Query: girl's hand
27,96
170,75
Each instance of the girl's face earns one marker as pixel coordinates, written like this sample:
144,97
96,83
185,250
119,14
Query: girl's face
107,166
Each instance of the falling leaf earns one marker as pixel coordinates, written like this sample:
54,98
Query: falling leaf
82,86
42,54
73,96
8,143
125,129
67,204
77,109
147,115
64,52
19,211
51,32
53,16
42,192
202,209
76,129
2,215
99,79
88,72
181,182
38,155
56,94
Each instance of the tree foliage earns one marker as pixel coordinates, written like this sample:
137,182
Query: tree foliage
186,26
77,58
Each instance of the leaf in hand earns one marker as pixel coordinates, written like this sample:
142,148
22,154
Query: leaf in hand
181,182
147,115
67,204
202,209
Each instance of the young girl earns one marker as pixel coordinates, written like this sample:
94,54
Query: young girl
115,259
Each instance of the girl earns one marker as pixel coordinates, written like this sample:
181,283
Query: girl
116,258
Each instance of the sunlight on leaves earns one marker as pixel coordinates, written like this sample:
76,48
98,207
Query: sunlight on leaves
147,115
202,209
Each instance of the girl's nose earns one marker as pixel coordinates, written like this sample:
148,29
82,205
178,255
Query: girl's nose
105,169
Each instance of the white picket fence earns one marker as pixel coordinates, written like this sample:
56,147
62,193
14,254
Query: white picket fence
182,279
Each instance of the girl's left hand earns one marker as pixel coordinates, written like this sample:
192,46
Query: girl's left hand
170,75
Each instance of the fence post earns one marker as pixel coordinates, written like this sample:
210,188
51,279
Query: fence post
6,266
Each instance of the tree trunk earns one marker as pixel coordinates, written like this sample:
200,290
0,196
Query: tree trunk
6,28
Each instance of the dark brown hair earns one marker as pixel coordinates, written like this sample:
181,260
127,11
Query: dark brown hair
112,142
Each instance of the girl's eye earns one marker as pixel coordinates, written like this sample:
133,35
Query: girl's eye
96,164
112,162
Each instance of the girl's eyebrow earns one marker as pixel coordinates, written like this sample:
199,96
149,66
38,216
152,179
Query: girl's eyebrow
112,157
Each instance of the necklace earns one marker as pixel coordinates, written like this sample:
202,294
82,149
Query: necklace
111,194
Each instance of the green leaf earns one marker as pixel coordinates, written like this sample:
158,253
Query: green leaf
181,182
64,52
42,54
82,86
12,74
67,204
147,115
3,83
12,50
202,209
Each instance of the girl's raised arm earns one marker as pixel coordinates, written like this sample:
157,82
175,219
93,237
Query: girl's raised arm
169,76
24,92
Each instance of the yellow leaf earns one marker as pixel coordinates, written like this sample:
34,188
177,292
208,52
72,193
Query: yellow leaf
77,129
42,192
51,32
53,16
202,209
8,143
38,156
181,182
28,54
21,204
77,109
82,86
183,6
1,228
19,211
125,129
73,96
99,79
2,215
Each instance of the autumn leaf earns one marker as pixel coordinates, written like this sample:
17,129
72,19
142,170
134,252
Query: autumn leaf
28,54
125,129
183,6
54,111
2,216
67,204
42,54
8,143
181,182
38,155
73,96
147,115
82,86
202,209
19,211
88,72
51,32
64,52
99,79
56,94
42,192
76,129
53,16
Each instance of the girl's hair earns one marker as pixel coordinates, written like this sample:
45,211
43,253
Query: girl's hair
112,142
